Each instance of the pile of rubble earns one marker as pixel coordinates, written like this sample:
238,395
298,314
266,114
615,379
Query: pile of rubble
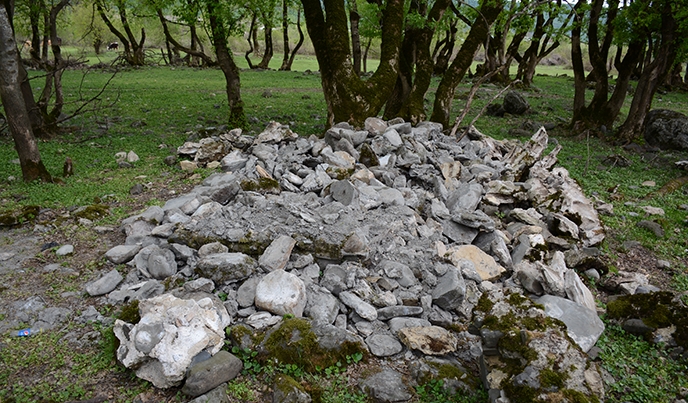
400,240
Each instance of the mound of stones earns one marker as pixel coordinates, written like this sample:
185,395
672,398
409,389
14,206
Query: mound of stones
395,241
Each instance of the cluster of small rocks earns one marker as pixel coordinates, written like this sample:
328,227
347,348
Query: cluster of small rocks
413,245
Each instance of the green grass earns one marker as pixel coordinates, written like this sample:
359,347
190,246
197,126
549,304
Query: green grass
640,372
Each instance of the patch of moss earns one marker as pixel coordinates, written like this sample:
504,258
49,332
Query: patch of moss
171,283
130,312
484,303
575,396
518,300
512,344
93,212
243,336
286,384
25,214
653,308
550,378
262,185
294,342
542,323
520,393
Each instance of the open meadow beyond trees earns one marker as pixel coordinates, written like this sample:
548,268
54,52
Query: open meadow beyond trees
154,110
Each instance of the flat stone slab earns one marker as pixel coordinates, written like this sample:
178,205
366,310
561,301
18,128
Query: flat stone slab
583,324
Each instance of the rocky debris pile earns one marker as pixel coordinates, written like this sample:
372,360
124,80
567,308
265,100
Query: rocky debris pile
396,241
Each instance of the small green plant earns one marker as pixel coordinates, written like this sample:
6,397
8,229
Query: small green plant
248,357
434,391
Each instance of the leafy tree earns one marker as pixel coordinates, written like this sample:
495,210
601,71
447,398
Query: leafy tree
134,53
663,25
289,55
13,100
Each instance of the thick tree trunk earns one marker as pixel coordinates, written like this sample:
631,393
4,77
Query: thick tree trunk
348,97
415,67
14,105
476,37
652,76
219,35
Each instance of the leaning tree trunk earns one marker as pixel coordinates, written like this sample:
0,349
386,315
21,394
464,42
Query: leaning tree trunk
133,50
476,37
219,34
194,53
652,76
350,98
252,43
287,66
13,102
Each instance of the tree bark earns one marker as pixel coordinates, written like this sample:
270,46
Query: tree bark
285,34
355,19
267,55
477,36
190,51
133,49
350,98
415,66
287,67
252,43
219,34
13,102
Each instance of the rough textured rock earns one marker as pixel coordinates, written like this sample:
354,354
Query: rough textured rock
515,104
105,284
224,267
386,386
208,374
583,324
161,346
281,293
431,340
277,254
666,129
484,264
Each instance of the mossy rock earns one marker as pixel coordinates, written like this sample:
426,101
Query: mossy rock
656,310
93,212
293,341
262,185
19,217
243,336
130,313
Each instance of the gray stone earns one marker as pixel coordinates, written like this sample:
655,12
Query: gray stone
208,374
530,278
458,233
484,264
217,395
161,263
276,256
383,345
390,312
465,198
200,285
515,104
653,226
65,250
246,294
583,324
577,291
322,306
226,267
105,284
288,390
281,293
399,272
211,249
450,290
344,192
362,308
386,386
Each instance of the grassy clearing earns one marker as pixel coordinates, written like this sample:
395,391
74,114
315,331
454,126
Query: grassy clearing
158,108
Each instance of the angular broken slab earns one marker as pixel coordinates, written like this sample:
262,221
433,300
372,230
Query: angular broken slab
485,265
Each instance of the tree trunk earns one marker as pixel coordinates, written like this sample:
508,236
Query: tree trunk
178,46
652,76
298,44
133,49
476,37
415,67
350,98
355,19
35,8
219,34
14,105
267,56
285,35
577,60
251,41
